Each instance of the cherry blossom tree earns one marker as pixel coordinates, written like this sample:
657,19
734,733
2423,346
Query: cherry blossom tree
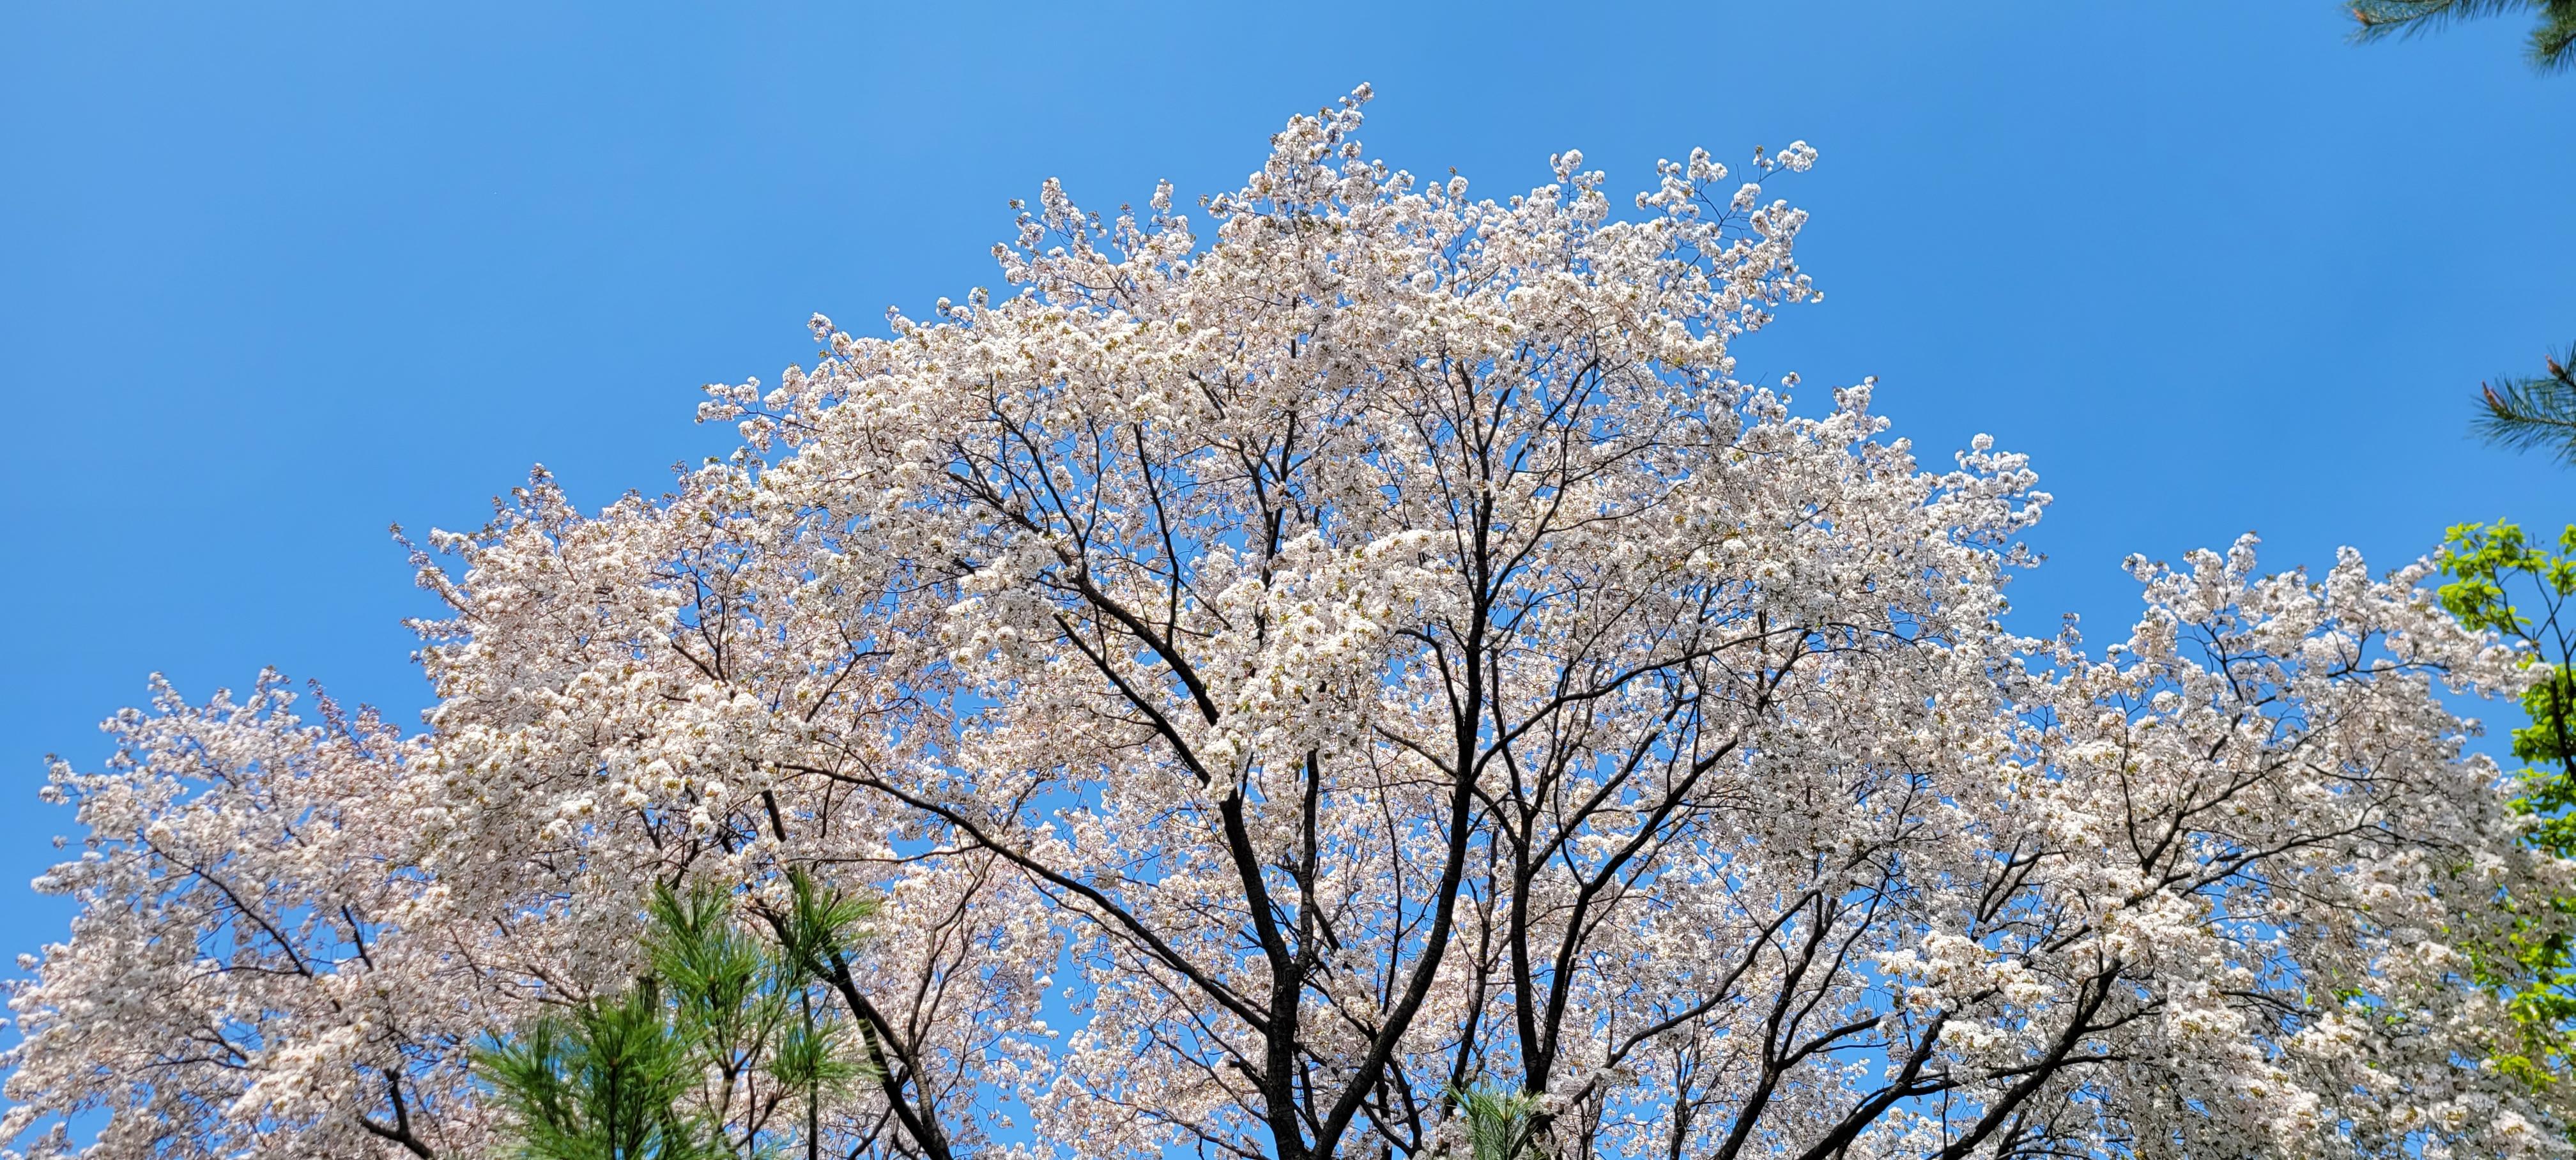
1377,653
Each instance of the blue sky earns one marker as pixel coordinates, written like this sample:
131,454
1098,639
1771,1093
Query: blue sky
273,277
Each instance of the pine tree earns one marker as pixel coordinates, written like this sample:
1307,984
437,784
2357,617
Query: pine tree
1502,1124
2553,40
608,1081
697,1059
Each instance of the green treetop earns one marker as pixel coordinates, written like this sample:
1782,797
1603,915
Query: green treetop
2502,581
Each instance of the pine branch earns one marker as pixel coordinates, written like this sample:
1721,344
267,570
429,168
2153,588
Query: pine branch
2553,44
2553,40
2534,413
2383,18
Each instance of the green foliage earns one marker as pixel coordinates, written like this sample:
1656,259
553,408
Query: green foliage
1502,1124
2500,580
2551,39
2488,564
696,1059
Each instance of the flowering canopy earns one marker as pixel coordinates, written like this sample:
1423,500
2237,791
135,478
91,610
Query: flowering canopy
1377,650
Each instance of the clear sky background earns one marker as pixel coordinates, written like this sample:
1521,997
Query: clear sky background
275,277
